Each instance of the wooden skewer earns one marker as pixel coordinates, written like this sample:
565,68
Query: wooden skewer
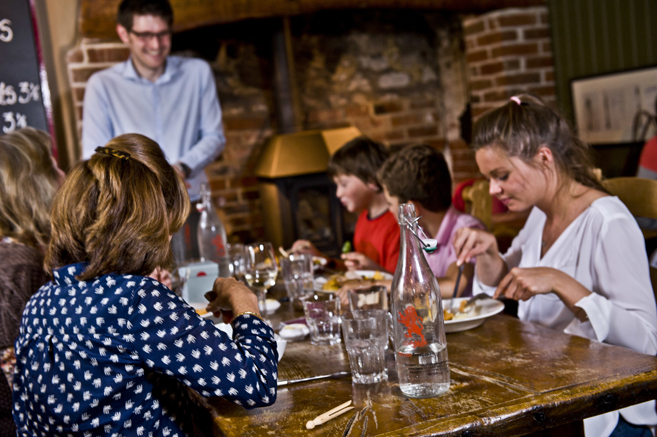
340,409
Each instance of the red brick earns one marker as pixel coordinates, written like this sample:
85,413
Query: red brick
368,123
549,76
476,27
357,111
425,131
474,71
470,44
230,196
437,144
83,74
497,37
394,135
539,62
540,33
423,104
546,47
512,64
498,96
465,167
78,94
245,123
492,68
217,184
513,20
492,24
545,19
406,119
325,115
479,110
249,181
481,55
75,56
78,112
475,99
519,79
515,50
477,85
543,91
388,107
115,54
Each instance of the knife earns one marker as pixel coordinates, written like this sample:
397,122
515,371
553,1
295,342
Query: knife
312,378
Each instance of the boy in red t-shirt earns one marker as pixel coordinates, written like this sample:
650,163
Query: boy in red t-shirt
353,168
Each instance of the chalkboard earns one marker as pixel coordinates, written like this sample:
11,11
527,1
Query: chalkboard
23,83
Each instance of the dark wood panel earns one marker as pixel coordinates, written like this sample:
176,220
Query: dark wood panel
97,17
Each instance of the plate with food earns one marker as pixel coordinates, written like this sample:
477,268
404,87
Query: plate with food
335,282
318,262
472,316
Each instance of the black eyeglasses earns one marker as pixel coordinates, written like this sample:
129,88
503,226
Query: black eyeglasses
147,36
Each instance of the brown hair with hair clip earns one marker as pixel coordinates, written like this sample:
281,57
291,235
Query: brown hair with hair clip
113,152
118,214
525,124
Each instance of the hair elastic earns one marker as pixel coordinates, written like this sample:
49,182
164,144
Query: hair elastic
113,152
516,99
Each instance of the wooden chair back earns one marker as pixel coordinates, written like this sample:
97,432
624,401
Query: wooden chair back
638,194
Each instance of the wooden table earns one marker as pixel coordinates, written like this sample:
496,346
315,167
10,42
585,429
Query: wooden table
507,378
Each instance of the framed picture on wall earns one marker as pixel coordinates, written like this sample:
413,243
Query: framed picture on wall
616,108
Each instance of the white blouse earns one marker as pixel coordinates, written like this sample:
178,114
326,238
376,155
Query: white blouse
603,249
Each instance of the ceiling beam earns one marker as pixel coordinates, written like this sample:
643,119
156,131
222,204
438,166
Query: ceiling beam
98,17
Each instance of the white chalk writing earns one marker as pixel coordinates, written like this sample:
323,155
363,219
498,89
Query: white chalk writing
13,121
6,34
28,91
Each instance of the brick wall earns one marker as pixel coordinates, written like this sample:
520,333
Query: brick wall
405,81
508,52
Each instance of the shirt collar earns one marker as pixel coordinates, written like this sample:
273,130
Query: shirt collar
170,70
66,275
446,226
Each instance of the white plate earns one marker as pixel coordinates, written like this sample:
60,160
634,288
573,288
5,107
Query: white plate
319,282
280,342
294,331
482,310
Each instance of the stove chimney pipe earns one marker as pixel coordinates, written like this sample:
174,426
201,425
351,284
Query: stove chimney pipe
286,93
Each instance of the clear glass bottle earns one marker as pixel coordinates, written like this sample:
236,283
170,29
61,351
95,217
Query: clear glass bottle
211,234
419,330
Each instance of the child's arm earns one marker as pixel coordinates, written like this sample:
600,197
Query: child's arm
358,261
305,246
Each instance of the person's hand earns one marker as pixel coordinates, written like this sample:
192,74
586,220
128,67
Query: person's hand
469,243
343,292
358,261
523,283
229,297
305,246
162,275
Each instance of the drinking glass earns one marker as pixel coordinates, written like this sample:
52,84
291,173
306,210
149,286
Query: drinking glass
297,272
236,258
260,270
365,335
322,311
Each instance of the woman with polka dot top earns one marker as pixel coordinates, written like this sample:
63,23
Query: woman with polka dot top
97,341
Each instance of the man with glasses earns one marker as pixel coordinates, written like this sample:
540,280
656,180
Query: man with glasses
170,99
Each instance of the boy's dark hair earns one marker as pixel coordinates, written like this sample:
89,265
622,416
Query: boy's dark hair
418,173
129,8
360,157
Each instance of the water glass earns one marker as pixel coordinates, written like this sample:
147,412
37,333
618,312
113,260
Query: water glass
365,335
323,318
298,275
236,258
374,297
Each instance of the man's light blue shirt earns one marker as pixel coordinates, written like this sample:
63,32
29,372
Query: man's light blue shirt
180,111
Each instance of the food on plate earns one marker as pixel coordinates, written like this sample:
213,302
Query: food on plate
335,282
461,313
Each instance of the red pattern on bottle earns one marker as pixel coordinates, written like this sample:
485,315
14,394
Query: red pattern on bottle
414,326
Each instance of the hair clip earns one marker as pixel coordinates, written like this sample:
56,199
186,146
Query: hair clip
113,152
516,99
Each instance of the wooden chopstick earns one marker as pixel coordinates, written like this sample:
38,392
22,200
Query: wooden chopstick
335,412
